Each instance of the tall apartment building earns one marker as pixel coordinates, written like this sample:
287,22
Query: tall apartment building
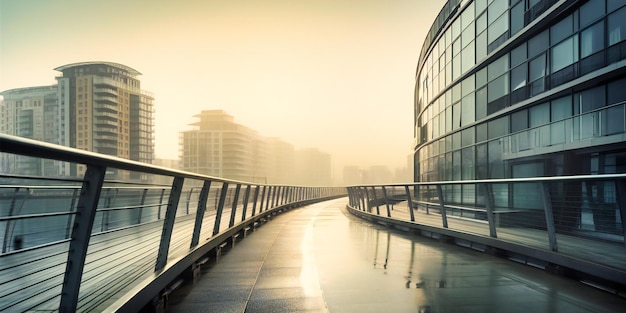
34,113
95,106
217,146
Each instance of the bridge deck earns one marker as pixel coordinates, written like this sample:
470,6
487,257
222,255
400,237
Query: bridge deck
319,259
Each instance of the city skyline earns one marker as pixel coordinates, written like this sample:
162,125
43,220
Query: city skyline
332,75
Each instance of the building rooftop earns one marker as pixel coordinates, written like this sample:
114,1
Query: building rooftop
123,67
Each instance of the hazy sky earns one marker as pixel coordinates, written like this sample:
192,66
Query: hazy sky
337,75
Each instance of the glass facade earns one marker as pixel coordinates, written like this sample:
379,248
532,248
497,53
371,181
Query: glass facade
510,87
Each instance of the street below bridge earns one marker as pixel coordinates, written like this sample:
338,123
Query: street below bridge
320,258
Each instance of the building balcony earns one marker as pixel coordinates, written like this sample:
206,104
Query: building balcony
105,99
101,122
105,91
106,115
105,130
105,107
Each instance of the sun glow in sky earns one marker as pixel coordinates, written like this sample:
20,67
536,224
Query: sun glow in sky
337,75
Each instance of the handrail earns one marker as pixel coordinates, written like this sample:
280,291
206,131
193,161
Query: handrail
155,229
567,221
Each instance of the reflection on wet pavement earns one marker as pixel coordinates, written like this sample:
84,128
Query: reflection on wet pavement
319,258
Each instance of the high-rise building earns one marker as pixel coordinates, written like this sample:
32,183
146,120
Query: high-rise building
217,146
508,89
95,106
34,113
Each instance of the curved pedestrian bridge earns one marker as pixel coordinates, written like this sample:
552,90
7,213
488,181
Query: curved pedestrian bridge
320,258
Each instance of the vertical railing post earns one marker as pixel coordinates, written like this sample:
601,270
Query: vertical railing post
188,200
386,201
246,196
168,222
442,207
81,234
409,202
256,199
620,186
202,201
220,208
262,199
488,192
376,200
233,211
271,190
547,207
368,204
361,199
144,194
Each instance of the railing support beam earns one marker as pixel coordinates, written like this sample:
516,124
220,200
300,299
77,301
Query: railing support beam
409,202
168,222
488,192
386,201
197,228
81,234
547,207
442,207
220,209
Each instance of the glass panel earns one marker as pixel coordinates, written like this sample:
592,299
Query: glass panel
592,40
481,5
481,132
591,11
467,36
518,55
467,86
467,137
468,57
539,115
616,91
481,77
498,127
538,44
519,121
614,120
615,4
564,54
498,88
481,46
468,16
617,26
467,110
517,18
499,27
562,29
537,68
481,23
456,115
561,108
495,10
497,67
481,103
589,100
467,163
518,77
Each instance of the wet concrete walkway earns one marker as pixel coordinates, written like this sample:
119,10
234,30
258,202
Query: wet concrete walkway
319,258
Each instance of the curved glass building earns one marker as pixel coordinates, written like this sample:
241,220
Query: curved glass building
521,88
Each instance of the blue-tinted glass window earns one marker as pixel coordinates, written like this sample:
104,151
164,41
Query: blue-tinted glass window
565,53
591,11
617,91
498,127
519,121
539,115
562,29
518,55
617,26
518,77
517,18
561,108
537,68
589,100
592,40
538,44
615,4
498,88
497,67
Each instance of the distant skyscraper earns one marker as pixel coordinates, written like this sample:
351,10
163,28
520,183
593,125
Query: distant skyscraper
35,113
217,146
95,106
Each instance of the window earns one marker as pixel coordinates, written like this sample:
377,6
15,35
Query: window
617,26
562,29
592,40
518,77
517,18
591,11
565,53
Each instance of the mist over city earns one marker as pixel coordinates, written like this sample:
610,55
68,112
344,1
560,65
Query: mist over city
337,76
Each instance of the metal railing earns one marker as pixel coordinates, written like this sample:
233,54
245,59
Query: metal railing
91,242
563,219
